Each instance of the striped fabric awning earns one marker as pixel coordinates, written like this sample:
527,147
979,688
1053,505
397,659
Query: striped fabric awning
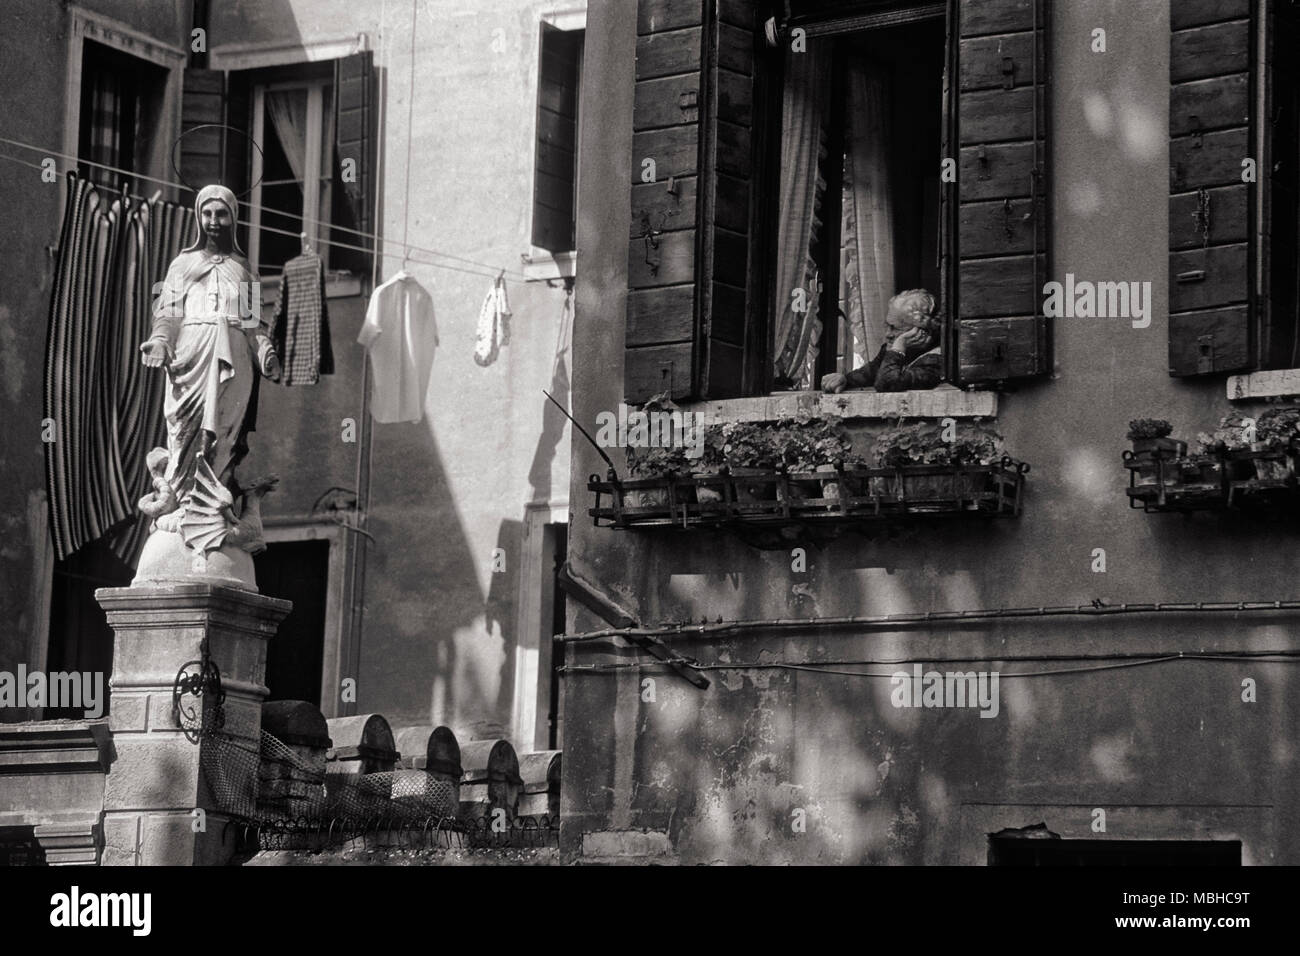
105,405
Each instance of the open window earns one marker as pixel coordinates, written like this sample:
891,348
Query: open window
120,113
298,139
555,174
860,149
293,172
798,161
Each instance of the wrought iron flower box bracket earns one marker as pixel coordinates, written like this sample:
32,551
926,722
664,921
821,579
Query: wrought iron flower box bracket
830,496
1165,481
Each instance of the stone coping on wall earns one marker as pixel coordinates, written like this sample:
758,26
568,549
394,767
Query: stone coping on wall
1276,383
54,746
945,401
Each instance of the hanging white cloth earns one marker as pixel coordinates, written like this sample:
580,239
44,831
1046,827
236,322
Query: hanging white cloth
401,336
493,332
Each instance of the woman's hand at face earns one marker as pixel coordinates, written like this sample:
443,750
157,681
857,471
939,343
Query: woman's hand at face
912,337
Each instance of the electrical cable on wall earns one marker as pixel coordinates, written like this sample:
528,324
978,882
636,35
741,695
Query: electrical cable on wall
894,621
829,667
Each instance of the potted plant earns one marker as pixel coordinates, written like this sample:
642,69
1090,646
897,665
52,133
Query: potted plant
655,463
974,447
904,448
1235,433
1151,436
1275,431
949,453
708,466
749,452
1232,441
813,445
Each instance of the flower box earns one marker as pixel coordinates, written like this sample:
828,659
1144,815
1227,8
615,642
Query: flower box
831,495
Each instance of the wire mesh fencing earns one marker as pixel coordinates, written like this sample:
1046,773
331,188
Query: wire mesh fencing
275,798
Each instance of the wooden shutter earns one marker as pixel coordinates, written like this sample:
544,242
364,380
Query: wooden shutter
556,168
689,250
203,103
1209,204
354,135
1002,225
222,153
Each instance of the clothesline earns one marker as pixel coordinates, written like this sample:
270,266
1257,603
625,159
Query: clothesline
492,272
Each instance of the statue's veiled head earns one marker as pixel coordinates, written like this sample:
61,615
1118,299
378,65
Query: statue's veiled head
216,211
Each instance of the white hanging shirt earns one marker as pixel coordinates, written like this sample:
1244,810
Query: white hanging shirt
400,335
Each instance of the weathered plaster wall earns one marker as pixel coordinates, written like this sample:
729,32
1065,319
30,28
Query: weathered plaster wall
33,66
438,628
721,769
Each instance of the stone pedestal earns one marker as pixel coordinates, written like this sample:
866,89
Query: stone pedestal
158,777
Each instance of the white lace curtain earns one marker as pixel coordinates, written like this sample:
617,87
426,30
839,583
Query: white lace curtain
804,114
867,256
288,112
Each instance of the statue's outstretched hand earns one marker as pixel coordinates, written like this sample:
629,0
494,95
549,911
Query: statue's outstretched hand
154,353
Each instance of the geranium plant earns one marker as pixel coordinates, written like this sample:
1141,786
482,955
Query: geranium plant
1141,428
1235,433
1278,427
929,444
812,443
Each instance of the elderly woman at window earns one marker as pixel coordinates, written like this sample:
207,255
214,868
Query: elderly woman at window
910,358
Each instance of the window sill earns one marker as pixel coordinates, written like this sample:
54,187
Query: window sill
945,401
1271,384
542,266
338,285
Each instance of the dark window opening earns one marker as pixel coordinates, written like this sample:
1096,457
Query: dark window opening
1016,851
121,97
81,639
861,119
19,847
282,199
555,181
555,713
296,571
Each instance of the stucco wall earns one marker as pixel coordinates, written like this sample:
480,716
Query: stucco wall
33,67
721,769
438,626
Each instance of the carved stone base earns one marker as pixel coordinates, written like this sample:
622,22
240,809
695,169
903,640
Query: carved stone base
166,560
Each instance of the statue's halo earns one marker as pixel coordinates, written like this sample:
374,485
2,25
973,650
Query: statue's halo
195,188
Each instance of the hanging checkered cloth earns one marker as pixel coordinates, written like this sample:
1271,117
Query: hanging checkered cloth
103,127
105,407
300,327
140,422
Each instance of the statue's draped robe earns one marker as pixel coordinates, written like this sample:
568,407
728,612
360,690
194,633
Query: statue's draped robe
213,371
